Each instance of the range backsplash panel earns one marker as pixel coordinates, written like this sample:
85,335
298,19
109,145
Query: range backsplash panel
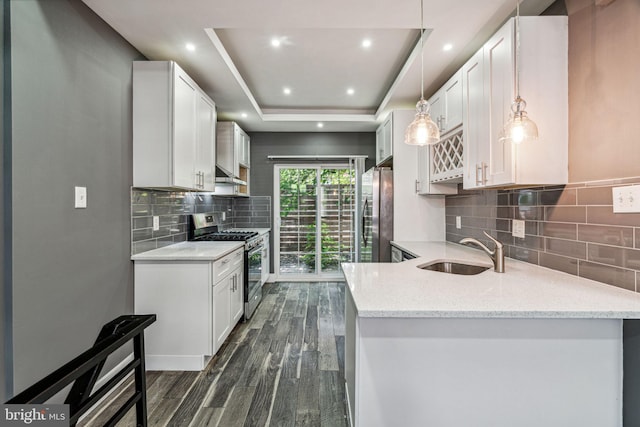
569,228
172,209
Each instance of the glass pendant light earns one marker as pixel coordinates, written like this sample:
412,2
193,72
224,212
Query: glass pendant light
519,128
422,130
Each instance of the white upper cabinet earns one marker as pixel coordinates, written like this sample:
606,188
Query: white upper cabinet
233,156
488,83
384,141
446,105
233,148
173,129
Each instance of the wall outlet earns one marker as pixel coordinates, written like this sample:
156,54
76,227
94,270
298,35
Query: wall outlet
517,228
156,223
458,222
626,199
80,197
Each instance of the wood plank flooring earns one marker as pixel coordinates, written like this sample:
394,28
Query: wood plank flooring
284,367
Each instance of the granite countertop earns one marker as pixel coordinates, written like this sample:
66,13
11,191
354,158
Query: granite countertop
523,291
189,251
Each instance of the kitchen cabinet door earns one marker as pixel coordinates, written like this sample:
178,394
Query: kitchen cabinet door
384,141
179,293
475,125
206,144
437,109
237,296
184,138
237,287
452,92
446,105
499,75
222,310
244,146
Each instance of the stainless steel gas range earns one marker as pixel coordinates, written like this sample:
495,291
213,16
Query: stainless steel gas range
204,227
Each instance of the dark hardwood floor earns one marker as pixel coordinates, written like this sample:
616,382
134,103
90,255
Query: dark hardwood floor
284,367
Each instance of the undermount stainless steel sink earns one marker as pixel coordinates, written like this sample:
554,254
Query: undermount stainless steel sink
453,267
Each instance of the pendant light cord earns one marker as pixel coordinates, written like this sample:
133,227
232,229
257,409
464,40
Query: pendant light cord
421,49
517,49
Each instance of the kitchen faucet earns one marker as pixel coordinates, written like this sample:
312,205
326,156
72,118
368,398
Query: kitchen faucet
496,255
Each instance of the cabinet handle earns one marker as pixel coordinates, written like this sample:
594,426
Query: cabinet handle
481,173
442,121
417,186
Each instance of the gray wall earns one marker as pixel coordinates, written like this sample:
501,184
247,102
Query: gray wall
71,107
4,320
264,144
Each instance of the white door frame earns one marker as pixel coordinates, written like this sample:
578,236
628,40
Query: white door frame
276,221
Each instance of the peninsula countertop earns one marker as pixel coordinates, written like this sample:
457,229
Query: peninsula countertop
523,291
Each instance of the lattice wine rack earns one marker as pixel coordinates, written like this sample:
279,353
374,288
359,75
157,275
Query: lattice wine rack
447,159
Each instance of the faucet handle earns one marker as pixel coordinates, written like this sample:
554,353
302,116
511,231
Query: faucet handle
497,242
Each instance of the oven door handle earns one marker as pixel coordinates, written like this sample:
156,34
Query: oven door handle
254,250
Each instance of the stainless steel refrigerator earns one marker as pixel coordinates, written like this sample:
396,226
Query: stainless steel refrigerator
376,215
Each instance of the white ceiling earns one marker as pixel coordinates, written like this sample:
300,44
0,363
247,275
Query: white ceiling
320,56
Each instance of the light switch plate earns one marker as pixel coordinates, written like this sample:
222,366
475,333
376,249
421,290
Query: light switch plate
458,222
156,223
80,197
517,228
626,199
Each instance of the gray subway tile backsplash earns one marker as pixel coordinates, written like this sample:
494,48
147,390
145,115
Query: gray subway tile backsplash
172,209
568,228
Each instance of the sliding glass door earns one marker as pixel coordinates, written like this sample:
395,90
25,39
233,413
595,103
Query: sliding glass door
314,211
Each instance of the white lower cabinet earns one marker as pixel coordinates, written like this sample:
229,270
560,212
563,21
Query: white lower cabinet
236,279
221,302
197,304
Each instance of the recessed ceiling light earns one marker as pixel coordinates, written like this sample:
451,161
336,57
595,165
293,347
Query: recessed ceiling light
286,91
447,47
350,91
190,47
244,115
320,124
366,43
276,42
